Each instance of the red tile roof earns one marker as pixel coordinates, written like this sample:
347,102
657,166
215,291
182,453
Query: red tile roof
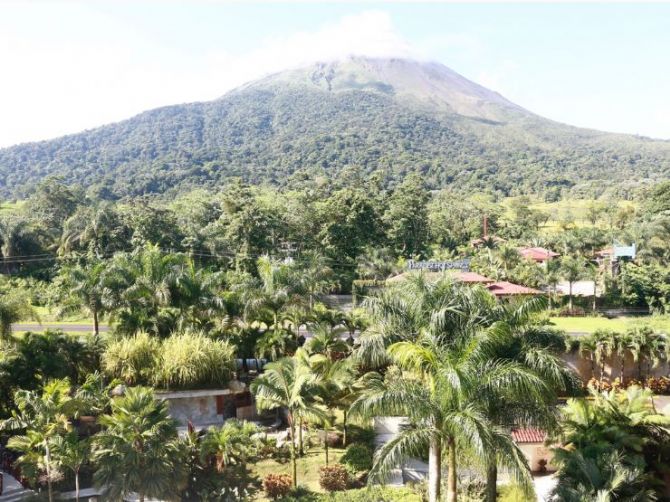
537,254
504,288
529,435
471,277
466,277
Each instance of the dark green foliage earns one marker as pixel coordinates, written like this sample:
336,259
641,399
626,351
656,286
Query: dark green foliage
357,457
277,127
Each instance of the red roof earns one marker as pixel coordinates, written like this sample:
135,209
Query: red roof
504,288
529,436
537,254
471,277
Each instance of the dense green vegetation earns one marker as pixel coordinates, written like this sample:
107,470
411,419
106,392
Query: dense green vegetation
374,114
192,285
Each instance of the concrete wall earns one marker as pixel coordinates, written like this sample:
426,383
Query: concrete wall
200,407
534,452
582,366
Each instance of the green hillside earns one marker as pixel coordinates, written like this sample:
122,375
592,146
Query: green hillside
391,115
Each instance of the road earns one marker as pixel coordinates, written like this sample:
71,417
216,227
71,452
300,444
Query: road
67,327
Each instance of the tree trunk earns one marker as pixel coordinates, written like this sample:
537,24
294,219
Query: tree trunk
141,497
325,443
491,481
301,451
623,367
570,297
96,326
48,471
294,461
344,428
452,493
434,470
76,486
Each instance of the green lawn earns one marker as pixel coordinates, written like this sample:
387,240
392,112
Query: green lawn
589,324
48,315
11,207
308,466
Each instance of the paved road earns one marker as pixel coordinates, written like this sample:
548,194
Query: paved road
70,328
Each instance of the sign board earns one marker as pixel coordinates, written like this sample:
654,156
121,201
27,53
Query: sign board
624,251
439,266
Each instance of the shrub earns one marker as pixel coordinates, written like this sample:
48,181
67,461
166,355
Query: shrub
357,458
131,359
277,485
191,360
333,478
374,494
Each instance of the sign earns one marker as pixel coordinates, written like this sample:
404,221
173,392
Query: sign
439,266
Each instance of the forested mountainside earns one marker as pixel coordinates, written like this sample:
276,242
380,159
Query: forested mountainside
393,115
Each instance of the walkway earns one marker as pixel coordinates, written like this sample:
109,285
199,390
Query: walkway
12,490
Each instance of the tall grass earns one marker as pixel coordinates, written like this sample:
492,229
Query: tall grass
192,360
184,361
132,359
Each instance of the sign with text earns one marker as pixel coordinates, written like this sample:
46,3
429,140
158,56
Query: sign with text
439,266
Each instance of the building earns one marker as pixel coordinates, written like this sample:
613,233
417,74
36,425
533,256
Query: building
531,442
538,254
457,275
504,289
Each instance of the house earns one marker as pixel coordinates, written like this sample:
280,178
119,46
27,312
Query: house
538,254
504,289
531,442
457,275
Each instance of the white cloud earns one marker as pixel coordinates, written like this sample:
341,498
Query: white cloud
64,87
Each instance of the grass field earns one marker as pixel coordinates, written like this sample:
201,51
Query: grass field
575,210
589,324
10,207
50,316
308,466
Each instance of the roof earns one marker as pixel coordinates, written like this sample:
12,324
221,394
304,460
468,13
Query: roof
605,252
529,435
537,254
504,288
458,275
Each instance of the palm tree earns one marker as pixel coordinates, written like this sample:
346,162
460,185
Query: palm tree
599,434
273,295
443,391
14,307
327,340
315,277
138,449
647,345
72,453
44,416
229,444
605,479
288,383
573,269
83,288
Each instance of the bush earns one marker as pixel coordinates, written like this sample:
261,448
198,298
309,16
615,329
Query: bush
277,485
333,478
132,359
357,458
374,494
192,360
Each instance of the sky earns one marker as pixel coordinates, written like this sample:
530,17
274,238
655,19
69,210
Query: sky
74,65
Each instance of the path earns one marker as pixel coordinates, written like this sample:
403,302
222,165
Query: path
66,327
12,490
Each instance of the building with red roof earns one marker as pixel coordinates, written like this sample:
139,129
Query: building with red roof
504,289
531,442
538,254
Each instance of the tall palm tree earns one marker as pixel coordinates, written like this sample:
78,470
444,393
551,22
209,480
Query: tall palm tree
83,287
289,384
137,450
443,391
315,277
72,452
573,269
647,345
44,416
273,295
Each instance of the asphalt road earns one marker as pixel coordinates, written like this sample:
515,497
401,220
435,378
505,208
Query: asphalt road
67,327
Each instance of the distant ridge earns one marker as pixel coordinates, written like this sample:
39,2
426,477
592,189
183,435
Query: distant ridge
393,115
